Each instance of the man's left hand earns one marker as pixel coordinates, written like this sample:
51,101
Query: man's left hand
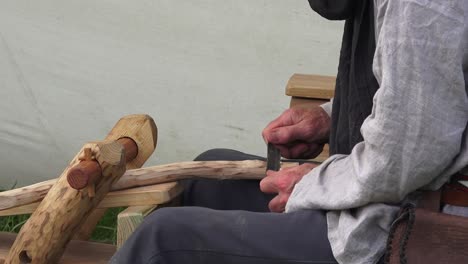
282,182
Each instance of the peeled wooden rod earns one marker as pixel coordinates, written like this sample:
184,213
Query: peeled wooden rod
249,169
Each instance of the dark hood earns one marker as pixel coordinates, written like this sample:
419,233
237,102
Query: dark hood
355,82
333,9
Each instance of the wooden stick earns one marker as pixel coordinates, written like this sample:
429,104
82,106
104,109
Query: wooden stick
249,169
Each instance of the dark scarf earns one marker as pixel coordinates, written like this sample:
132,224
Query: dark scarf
355,83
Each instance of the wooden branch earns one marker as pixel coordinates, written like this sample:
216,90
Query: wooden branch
146,195
249,169
221,170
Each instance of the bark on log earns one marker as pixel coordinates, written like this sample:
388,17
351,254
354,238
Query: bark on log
138,135
249,169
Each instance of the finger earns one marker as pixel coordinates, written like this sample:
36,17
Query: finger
285,119
284,150
300,150
312,151
267,184
295,150
289,134
278,203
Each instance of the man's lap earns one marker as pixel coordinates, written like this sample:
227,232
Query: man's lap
201,235
240,230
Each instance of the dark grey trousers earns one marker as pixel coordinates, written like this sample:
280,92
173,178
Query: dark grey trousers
227,222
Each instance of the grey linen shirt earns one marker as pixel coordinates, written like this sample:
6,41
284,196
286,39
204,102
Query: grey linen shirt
416,136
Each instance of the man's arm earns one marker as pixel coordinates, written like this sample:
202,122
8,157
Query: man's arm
419,115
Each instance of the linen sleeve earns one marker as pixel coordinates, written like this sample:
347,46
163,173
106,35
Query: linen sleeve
327,107
419,113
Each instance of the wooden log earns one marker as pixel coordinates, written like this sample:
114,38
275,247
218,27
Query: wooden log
133,132
45,235
249,169
86,230
129,219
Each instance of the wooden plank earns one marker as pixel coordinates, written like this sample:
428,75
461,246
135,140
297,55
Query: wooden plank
129,219
306,102
77,252
311,86
146,195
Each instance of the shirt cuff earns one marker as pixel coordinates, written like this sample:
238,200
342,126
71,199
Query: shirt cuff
328,107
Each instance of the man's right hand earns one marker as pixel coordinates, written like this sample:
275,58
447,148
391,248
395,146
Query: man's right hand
299,132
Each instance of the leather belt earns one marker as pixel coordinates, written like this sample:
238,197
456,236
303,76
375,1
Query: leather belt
454,192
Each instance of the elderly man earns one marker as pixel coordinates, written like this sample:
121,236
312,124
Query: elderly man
398,124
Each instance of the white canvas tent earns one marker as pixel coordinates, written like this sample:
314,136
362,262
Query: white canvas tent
211,73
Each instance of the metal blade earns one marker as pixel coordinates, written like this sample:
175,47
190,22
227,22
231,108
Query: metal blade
273,158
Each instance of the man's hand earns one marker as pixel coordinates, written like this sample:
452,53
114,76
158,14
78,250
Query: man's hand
299,132
282,182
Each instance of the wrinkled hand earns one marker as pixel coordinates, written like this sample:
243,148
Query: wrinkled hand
299,132
282,182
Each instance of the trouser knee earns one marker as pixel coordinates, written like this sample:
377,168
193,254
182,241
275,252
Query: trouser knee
226,154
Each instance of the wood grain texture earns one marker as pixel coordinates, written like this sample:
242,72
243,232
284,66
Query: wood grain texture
45,235
142,130
78,252
250,169
311,86
129,219
86,230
